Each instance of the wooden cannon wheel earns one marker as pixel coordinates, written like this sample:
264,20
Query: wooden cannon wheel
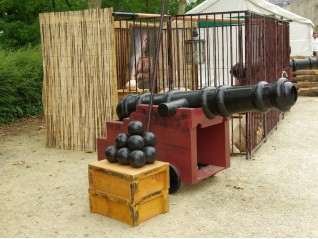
175,179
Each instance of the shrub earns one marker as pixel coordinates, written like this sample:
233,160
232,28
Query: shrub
21,74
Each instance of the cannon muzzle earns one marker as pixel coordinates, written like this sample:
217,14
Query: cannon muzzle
223,100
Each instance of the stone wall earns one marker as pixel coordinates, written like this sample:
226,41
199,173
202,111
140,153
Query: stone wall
305,8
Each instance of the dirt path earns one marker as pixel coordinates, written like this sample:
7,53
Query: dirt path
44,191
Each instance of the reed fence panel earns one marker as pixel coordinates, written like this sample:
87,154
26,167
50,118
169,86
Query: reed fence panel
80,81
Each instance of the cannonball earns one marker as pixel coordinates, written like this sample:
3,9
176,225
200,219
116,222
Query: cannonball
150,138
137,158
136,142
135,127
121,140
110,154
122,156
151,154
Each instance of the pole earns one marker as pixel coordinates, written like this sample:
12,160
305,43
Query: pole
163,6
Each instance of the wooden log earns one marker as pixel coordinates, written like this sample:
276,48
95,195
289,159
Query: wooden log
301,78
308,89
299,57
306,84
312,91
306,72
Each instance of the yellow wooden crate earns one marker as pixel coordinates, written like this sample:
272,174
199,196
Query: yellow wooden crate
126,182
129,194
133,214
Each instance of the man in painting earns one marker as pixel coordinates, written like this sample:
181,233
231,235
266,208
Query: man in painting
144,67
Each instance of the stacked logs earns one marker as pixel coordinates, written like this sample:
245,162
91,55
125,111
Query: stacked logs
305,75
306,82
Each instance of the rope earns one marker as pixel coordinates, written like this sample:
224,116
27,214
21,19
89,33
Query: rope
284,73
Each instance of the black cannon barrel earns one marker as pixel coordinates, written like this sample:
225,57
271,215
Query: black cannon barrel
239,70
223,100
304,64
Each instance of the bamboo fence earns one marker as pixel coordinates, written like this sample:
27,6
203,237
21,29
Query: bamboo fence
79,85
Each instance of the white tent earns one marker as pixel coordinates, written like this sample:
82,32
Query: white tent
301,28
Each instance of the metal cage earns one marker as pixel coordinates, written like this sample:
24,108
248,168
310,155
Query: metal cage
199,50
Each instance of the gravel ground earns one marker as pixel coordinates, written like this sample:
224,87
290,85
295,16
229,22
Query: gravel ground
44,190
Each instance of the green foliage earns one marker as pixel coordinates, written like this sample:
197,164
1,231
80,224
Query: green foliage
19,20
21,67
141,6
20,83
145,6
18,33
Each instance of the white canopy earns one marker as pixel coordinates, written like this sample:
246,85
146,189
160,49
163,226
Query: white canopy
301,28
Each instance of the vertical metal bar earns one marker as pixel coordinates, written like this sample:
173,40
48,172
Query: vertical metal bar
266,66
193,68
170,58
218,56
134,49
248,45
163,6
199,68
231,47
184,66
207,67
222,43
227,67
214,51
161,75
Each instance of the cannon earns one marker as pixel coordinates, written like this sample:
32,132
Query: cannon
239,70
217,101
192,127
303,64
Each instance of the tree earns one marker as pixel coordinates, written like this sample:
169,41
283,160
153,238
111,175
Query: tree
94,4
182,6
141,6
186,5
148,6
19,20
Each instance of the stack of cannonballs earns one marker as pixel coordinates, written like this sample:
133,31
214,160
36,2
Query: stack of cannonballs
135,148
